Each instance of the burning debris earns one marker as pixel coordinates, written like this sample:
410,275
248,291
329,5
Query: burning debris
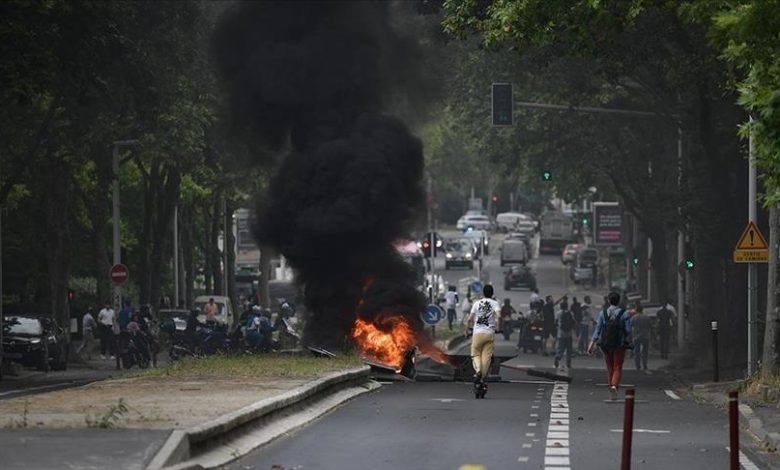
311,79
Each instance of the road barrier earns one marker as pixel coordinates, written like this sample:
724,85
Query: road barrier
628,430
734,429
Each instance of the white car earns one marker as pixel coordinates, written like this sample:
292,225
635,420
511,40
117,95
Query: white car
224,310
478,222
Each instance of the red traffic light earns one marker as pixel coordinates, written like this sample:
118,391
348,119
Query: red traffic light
495,198
71,295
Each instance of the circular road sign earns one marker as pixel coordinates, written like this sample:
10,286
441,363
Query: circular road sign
119,274
476,287
432,314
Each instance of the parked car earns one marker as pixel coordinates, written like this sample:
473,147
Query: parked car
35,341
224,310
519,276
480,222
459,252
569,253
479,237
514,251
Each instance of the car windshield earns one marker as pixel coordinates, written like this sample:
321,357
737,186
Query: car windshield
22,326
458,245
588,255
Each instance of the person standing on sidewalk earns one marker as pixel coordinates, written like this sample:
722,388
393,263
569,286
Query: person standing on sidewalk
612,334
566,324
88,326
640,331
450,304
586,319
665,318
548,322
484,313
106,320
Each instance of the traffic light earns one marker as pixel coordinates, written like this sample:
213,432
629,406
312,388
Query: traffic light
635,260
495,198
502,104
547,175
689,264
71,295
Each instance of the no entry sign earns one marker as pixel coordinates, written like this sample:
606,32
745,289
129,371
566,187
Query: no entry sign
119,274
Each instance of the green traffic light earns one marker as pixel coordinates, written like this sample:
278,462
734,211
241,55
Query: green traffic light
547,175
689,264
635,260
584,221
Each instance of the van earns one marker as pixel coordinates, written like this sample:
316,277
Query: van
507,221
224,308
513,251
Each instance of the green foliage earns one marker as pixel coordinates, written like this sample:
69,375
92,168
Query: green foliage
108,420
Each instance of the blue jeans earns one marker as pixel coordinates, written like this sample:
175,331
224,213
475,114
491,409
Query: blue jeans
582,345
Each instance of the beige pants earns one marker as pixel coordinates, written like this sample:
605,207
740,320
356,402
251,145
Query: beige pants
482,352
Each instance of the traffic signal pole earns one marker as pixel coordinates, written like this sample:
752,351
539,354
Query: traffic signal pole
752,283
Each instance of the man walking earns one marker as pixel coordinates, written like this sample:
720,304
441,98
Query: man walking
565,322
665,318
548,319
612,332
450,303
88,326
484,314
640,331
106,321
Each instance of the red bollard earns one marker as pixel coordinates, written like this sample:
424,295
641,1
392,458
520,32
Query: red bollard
734,430
628,430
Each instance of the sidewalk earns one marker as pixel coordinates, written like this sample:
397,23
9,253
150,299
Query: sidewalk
123,422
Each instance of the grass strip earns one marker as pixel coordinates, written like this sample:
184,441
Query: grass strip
258,365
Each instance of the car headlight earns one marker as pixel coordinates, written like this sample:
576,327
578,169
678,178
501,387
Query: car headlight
449,256
468,255
35,340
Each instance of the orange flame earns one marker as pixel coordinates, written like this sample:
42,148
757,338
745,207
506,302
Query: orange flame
389,337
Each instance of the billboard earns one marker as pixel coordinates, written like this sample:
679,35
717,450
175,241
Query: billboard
607,224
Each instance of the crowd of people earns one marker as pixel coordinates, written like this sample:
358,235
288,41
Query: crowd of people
111,327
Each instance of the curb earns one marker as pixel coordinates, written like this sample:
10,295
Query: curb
753,423
182,445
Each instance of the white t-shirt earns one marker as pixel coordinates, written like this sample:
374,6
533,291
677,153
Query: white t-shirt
485,314
450,300
106,316
534,298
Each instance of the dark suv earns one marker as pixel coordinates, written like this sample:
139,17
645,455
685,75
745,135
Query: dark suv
35,342
519,276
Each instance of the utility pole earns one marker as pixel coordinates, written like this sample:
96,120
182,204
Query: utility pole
752,283
116,239
432,241
680,253
225,248
176,256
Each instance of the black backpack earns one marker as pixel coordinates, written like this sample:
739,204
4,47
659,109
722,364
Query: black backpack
612,331
567,321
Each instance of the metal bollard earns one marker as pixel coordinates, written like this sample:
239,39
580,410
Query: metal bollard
734,430
628,430
715,371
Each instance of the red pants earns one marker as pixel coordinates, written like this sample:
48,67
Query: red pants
614,360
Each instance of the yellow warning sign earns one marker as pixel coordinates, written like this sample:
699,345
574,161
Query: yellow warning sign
752,246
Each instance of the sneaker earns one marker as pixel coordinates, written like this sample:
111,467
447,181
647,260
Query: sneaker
613,393
103,356
556,362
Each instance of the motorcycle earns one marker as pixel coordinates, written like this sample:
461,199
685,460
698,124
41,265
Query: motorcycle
531,334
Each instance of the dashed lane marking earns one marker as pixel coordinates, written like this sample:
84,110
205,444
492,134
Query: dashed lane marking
646,431
671,395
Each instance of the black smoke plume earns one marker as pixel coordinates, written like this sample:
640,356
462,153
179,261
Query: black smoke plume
312,79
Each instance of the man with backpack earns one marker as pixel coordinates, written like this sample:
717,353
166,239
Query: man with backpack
566,324
612,334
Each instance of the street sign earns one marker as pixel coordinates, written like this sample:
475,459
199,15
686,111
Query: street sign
119,274
476,287
607,224
432,314
752,246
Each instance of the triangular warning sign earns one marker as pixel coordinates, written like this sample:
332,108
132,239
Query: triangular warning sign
751,239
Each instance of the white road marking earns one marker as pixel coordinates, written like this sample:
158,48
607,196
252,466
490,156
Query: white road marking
744,461
522,459
671,395
530,434
557,435
553,460
554,427
557,443
531,424
527,446
447,400
560,451
648,431
534,415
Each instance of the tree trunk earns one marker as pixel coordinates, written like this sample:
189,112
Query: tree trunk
266,253
166,200
57,227
188,253
151,182
770,364
230,242
214,224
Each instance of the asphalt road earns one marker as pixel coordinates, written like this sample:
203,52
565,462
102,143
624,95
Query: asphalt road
523,423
